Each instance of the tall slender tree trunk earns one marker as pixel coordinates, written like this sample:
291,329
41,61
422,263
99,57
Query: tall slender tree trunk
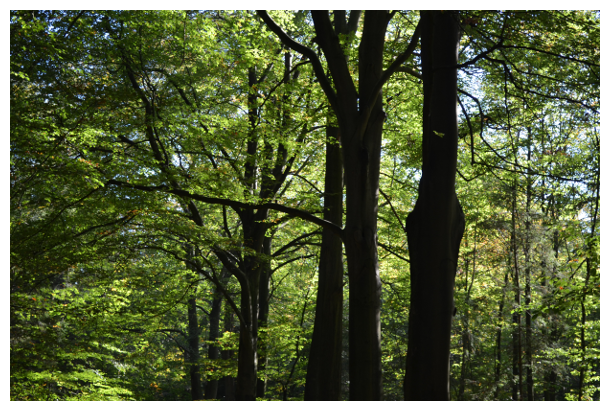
551,376
498,368
436,224
254,230
551,382
323,381
211,388
465,338
583,340
228,382
517,362
591,262
263,315
528,290
466,343
193,350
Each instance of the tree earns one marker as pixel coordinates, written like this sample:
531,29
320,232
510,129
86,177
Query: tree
360,117
436,224
167,172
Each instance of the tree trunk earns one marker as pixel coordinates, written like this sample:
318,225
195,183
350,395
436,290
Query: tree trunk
323,381
247,360
263,315
466,343
193,351
528,290
498,367
517,363
436,224
551,383
228,382
360,126
362,151
254,235
591,262
360,117
583,341
550,379
211,388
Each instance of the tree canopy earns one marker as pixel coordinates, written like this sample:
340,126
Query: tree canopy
314,205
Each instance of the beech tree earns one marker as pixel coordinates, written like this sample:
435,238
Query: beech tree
189,184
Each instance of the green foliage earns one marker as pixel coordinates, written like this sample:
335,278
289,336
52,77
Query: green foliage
113,112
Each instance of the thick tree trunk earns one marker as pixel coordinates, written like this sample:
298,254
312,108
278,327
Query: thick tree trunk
324,367
436,224
360,129
362,151
247,360
193,351
360,116
254,235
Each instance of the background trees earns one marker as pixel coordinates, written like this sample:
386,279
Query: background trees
171,178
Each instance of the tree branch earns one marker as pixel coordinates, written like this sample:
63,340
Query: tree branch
236,204
304,50
389,250
393,210
397,63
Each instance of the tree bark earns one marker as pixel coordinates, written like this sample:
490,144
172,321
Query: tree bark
263,314
253,234
436,224
193,351
498,367
362,151
323,381
591,267
361,125
360,117
550,379
466,344
228,382
529,380
517,386
247,356
211,388
254,230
